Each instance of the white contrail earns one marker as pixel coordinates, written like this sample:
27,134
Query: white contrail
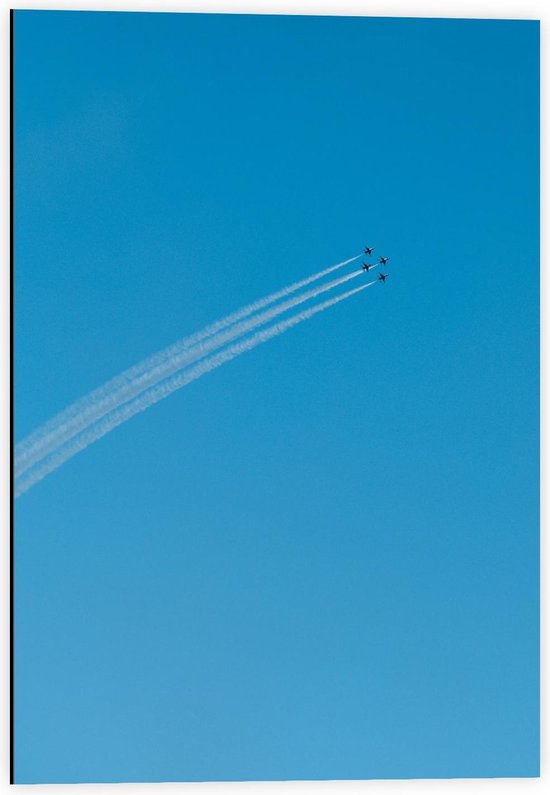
34,445
96,404
162,390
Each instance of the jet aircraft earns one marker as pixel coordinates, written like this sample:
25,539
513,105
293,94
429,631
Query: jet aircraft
383,260
382,277
367,266
368,251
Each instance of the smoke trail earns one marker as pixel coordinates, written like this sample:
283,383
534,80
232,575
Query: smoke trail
162,390
28,449
102,400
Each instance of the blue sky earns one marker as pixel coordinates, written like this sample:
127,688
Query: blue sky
321,560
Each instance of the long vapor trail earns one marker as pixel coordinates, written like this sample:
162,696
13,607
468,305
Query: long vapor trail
120,389
162,390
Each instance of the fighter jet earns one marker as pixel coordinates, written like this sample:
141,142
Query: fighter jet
383,260
367,266
382,277
368,251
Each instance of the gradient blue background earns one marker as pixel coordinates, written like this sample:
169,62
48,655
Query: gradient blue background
321,560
